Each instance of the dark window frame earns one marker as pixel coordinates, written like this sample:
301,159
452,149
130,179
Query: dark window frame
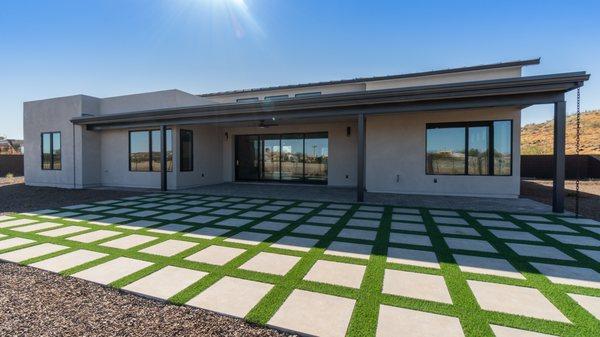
247,100
277,97
307,94
466,126
52,161
191,168
150,157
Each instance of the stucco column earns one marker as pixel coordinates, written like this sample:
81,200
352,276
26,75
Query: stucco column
558,186
163,158
360,172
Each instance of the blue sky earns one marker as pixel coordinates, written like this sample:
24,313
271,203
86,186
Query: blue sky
115,47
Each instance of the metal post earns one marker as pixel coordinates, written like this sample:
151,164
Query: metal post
558,186
360,172
163,158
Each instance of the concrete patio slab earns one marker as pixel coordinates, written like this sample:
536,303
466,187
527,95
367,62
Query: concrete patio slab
413,257
589,303
486,266
139,224
170,216
337,273
515,235
129,241
485,215
576,276
593,229
358,234
449,221
547,252
314,314
166,282
233,222
86,217
196,209
171,228
594,254
295,243
311,230
217,255
339,206
208,233
580,221
348,249
248,238
255,214
112,270
36,227
416,285
366,223
202,219
231,296
551,228
269,208
225,211
406,210
535,218
368,215
503,331
64,231
470,244
443,212
5,218
394,322
66,261
109,221
172,207
144,214
325,220
271,263
498,224
407,217
120,211
94,236
578,240
407,226
273,226
410,239
283,202
333,212
169,248
287,216
23,254
16,222
14,242
515,300
458,230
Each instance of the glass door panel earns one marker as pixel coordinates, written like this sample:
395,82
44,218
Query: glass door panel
271,153
316,156
247,158
292,157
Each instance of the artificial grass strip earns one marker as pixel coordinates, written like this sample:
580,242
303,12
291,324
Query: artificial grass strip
369,297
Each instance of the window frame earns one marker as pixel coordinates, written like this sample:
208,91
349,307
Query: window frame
247,100
273,98
181,132
308,94
52,162
466,126
150,157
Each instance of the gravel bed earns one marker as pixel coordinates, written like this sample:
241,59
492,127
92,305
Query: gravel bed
39,303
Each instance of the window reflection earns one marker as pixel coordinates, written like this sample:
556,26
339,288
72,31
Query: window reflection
446,151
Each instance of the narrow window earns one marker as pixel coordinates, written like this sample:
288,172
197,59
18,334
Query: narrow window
144,151
51,151
247,100
446,150
186,151
503,148
478,155
308,94
276,97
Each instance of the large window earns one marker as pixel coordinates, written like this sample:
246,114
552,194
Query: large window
186,151
144,151
476,148
51,154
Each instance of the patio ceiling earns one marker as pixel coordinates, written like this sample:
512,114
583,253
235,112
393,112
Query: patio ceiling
520,92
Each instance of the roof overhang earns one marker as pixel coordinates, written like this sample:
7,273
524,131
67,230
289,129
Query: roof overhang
518,91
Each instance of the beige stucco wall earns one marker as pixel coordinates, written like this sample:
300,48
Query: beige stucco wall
395,157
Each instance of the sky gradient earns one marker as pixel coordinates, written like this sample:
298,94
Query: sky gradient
116,47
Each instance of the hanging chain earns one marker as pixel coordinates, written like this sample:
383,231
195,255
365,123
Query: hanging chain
577,150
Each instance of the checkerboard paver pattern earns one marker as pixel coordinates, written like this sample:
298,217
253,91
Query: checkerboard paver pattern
329,269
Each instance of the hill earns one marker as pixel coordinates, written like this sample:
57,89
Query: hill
538,138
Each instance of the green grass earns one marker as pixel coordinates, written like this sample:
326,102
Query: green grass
369,297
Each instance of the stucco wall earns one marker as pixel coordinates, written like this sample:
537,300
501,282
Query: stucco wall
342,148
396,156
208,157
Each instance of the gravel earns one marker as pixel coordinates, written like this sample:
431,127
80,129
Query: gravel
39,303
589,196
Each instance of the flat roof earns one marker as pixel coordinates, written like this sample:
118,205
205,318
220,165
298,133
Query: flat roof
517,63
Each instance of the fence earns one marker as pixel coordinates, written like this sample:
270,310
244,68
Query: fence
542,166
11,163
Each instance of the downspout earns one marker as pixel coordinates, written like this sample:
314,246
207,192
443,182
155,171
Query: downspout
74,168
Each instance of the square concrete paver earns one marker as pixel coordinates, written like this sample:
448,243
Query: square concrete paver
270,208
332,212
470,244
396,322
36,227
120,211
416,285
576,240
412,257
207,233
581,221
64,231
312,230
203,219
314,314
272,226
112,270
144,214
449,221
515,235
139,224
129,241
14,242
589,303
16,222
85,217
5,218
255,214
407,226
487,266
593,254
503,331
287,217
337,273
406,210
339,206
66,261
576,276
196,209
23,254
498,224
109,221
536,218
443,212
231,296
169,248
485,215
326,220
249,238
515,300
225,211
358,234
270,263
170,228
547,252
309,204
217,255
233,222
166,282
458,230
355,250
410,239
295,243
407,217
368,215
170,216
545,227
94,236
367,223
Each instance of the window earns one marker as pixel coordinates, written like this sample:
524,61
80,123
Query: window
476,148
276,97
51,154
247,100
186,151
308,94
144,151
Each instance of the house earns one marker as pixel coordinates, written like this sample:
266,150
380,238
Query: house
444,132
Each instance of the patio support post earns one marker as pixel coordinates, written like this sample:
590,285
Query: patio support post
558,186
360,172
163,158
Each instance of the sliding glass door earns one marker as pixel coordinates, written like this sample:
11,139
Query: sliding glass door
300,157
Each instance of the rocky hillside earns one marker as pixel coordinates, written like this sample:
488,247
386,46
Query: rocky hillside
537,138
